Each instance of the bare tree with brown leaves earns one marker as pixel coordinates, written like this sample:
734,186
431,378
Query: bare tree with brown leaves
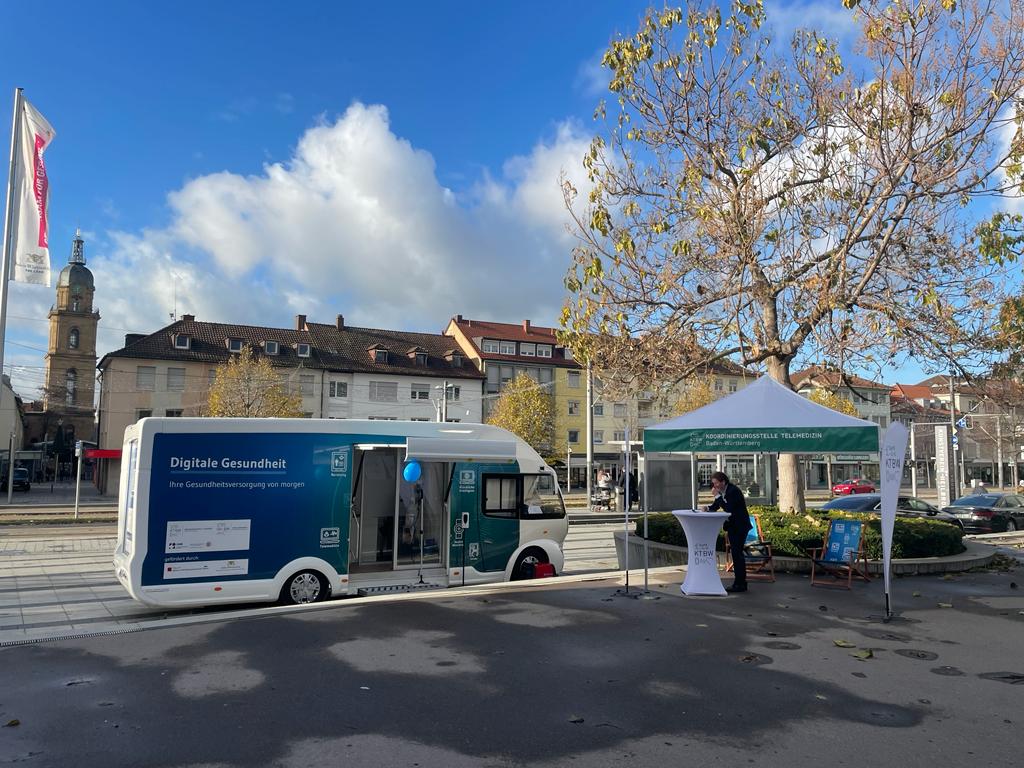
765,201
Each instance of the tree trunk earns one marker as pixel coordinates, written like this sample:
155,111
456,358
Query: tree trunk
791,494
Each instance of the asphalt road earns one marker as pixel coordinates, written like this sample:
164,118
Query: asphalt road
542,675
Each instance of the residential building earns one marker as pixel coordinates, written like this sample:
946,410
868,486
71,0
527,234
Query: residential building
12,422
339,371
502,351
990,442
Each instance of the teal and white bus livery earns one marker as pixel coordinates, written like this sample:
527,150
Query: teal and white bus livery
249,510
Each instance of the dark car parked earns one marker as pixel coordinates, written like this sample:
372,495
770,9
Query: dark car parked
989,512
906,506
21,481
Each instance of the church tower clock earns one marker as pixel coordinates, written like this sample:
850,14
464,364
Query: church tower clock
71,354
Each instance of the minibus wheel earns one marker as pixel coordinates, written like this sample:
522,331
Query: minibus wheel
525,563
305,587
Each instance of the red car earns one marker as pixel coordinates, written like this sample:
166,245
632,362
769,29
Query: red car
853,485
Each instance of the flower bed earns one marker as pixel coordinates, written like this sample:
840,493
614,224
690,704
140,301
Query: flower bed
793,535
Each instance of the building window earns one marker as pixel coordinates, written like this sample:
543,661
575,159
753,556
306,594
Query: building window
70,381
271,347
493,380
719,385
599,409
302,350
598,435
174,413
619,410
453,392
574,435
528,350
456,361
645,408
490,346
339,389
211,376
380,355
234,345
306,381
546,376
73,339
175,379
619,435
182,341
384,391
543,350
574,407
418,418
574,379
568,353
421,358
383,418
732,385
143,413
507,347
145,377
420,391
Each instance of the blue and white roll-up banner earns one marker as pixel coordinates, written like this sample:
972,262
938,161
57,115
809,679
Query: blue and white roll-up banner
894,451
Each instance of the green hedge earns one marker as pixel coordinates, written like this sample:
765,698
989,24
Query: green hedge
793,535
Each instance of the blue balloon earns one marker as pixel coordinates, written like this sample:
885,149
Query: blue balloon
412,470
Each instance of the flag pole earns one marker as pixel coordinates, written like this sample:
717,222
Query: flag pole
9,225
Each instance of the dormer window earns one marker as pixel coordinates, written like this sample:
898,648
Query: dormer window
182,341
453,357
419,354
234,345
380,355
271,347
302,350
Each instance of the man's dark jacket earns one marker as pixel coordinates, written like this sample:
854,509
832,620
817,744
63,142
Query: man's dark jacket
732,501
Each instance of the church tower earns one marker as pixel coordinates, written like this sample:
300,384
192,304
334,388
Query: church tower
71,356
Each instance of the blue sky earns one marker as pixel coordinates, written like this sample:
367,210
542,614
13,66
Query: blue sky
248,162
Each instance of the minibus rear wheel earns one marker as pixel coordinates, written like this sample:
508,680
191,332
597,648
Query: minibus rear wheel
305,587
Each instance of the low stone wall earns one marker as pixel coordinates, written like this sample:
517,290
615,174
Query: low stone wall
660,555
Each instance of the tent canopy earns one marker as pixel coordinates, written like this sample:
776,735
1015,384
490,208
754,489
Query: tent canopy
764,417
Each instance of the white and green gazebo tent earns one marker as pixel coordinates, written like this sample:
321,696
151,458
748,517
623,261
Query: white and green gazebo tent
764,417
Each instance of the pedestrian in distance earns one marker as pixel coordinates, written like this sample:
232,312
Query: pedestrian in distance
634,488
729,498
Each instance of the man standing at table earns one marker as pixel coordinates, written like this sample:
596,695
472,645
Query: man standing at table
730,499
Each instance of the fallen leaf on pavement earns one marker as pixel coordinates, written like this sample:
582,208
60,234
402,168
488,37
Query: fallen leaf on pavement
12,723
575,719
864,655
945,605
844,643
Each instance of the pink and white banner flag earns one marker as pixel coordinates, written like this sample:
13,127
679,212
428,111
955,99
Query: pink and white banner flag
30,245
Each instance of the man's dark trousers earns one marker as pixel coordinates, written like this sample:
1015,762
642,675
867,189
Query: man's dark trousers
737,540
